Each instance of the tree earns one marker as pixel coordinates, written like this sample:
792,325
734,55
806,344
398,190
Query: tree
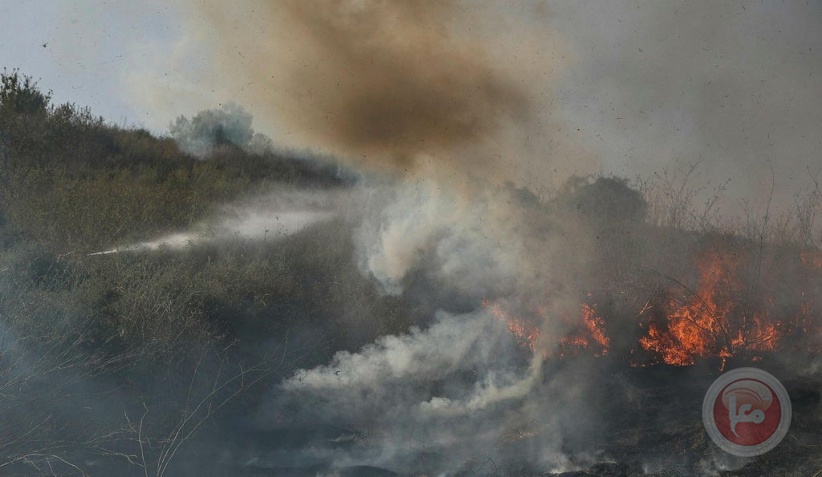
603,200
230,124
23,112
19,95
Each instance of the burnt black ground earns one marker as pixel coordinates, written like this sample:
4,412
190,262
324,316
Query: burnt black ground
654,428
662,433
650,425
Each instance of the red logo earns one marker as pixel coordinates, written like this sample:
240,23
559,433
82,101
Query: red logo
746,412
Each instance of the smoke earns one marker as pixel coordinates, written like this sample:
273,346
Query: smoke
431,400
415,361
395,86
475,240
513,92
391,80
458,389
625,86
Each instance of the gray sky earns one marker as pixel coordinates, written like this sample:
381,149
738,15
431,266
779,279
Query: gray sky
84,50
731,84
640,85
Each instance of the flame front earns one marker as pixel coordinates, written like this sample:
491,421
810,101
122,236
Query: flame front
591,331
528,334
711,321
525,333
727,315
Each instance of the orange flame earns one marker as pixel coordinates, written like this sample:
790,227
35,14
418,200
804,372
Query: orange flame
709,322
528,334
525,333
596,327
592,330
722,317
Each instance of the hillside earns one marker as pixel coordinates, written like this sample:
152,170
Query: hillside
488,332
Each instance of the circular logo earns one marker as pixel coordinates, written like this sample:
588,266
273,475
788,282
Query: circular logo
746,412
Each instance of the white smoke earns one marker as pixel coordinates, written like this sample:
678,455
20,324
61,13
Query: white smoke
460,386
463,383
480,240
412,361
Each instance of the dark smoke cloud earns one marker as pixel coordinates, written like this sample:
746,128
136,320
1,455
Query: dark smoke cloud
390,79
628,85
400,85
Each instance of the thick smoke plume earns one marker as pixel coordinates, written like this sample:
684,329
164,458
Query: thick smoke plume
390,79
403,86
459,389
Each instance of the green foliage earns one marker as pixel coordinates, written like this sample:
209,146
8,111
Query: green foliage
229,124
19,95
74,184
71,184
173,302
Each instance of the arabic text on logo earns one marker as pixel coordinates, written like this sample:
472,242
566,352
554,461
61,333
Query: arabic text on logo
746,412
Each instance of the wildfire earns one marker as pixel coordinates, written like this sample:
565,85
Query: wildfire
711,321
525,333
592,331
723,316
596,327
528,334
